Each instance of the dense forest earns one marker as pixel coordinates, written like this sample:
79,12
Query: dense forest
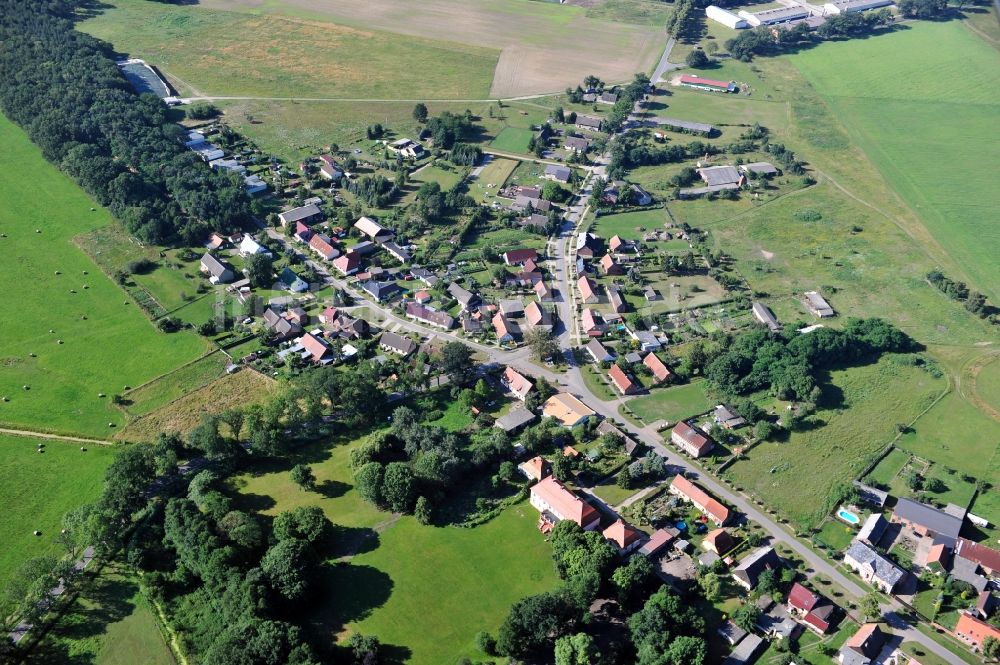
64,88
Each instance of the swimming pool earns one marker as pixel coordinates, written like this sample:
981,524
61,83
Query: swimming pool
848,516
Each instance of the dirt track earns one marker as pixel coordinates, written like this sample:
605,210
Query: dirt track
543,48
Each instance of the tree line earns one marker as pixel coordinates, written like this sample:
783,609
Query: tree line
64,88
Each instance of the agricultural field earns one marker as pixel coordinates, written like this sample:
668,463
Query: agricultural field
110,623
185,412
542,46
673,403
381,592
211,52
63,344
37,489
850,428
889,90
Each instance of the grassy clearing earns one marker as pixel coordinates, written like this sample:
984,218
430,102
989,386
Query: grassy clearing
232,53
492,178
512,139
165,389
611,494
183,414
386,594
851,427
110,623
628,224
447,179
987,385
889,467
836,534
37,489
107,342
946,174
673,404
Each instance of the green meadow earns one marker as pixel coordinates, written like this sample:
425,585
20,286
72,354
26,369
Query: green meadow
673,403
37,489
73,333
921,102
419,587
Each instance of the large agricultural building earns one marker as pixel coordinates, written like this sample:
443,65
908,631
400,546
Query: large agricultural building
853,6
725,17
772,16
707,84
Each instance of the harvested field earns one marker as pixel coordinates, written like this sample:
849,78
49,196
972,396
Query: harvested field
543,47
183,414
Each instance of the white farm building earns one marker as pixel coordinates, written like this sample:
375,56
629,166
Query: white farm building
725,17
853,6
777,15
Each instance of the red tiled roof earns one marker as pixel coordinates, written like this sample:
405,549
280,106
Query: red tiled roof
519,384
588,319
568,505
621,534
586,288
975,631
697,495
316,347
321,245
537,467
348,262
519,256
802,598
984,556
656,366
622,381
697,80
720,540
691,436
608,264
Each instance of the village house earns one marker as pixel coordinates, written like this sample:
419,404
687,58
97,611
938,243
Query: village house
375,231
536,468
328,315
465,298
396,251
567,409
519,256
812,609
625,537
818,305
620,246
283,328
598,352
431,317
518,384
750,569
588,122
985,557
926,520
515,420
558,173
537,316
365,247
587,293
863,647
307,214
347,264
609,266
292,282
587,245
872,530
690,440
608,97
661,539
250,247
407,148
718,541
700,499
512,308
424,275
315,349
591,323
393,343
382,291
622,382
321,244
607,427
728,418
556,503
507,331
577,144
219,272
536,221
328,168
763,169
616,299
974,631
543,292
422,297
535,204
872,567
660,371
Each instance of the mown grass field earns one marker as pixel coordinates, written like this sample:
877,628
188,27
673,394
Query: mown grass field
165,389
672,403
920,102
235,53
431,598
859,410
627,224
37,489
988,384
110,623
107,342
512,139
491,178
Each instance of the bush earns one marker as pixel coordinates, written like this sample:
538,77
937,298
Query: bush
486,643
696,58
202,111
141,266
